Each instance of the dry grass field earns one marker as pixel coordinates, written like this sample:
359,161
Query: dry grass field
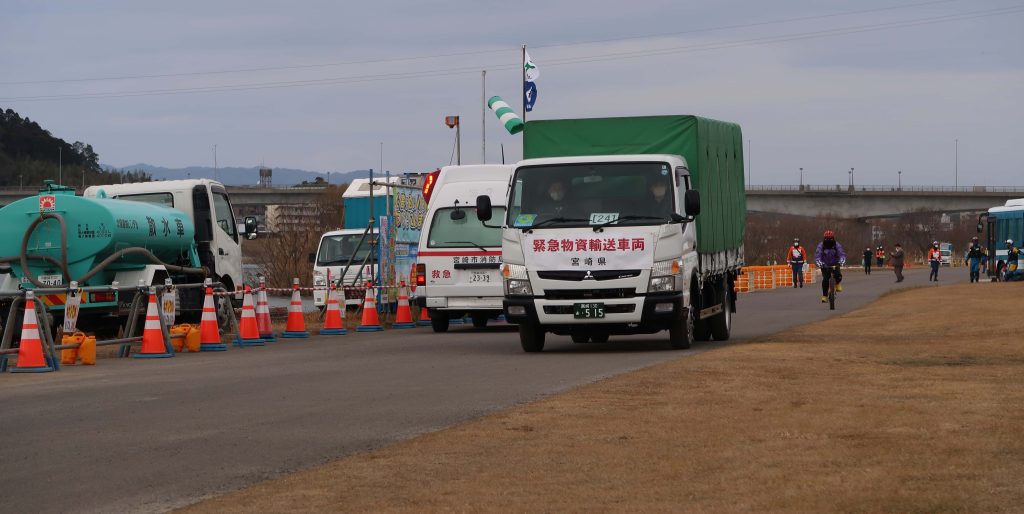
912,404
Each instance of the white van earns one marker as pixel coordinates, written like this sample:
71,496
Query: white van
458,266
349,247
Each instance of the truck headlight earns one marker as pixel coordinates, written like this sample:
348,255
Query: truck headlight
518,287
663,276
662,284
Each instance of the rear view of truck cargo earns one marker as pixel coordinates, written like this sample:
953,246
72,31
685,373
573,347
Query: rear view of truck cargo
615,254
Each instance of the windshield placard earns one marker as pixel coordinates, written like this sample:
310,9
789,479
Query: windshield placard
600,218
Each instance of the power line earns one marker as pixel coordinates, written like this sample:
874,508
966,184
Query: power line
462,54
552,63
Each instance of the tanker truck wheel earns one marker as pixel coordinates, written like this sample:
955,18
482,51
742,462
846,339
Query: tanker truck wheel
225,311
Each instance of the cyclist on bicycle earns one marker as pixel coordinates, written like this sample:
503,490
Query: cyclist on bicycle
829,256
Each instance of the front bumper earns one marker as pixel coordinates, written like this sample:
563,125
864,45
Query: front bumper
635,315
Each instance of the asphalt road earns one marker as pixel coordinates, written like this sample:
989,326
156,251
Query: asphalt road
149,435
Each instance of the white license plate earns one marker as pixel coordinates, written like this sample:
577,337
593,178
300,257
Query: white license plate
480,277
52,280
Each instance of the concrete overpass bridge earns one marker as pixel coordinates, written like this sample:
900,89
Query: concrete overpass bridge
866,202
858,202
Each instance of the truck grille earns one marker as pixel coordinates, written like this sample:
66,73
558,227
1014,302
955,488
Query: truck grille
577,276
608,309
589,294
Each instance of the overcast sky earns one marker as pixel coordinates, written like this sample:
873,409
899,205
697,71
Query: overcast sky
876,85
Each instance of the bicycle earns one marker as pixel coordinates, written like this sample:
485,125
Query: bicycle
832,288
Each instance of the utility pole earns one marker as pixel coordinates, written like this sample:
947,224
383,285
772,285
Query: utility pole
749,166
483,117
956,162
60,166
899,180
801,179
214,162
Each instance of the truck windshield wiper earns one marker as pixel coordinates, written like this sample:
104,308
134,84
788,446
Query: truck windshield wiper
468,243
553,220
627,218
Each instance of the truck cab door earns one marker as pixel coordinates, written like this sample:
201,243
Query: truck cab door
226,249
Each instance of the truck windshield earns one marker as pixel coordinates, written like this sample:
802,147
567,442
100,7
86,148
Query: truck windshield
335,250
624,193
467,232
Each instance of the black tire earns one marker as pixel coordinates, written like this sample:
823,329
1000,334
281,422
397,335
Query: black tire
701,329
831,301
680,333
531,338
479,319
599,338
721,323
439,321
579,337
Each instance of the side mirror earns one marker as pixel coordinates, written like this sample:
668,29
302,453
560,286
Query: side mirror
483,208
250,227
981,227
691,202
312,258
457,214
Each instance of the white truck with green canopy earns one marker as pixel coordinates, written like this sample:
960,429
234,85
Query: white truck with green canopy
624,226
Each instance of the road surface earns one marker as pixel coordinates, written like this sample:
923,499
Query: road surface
149,435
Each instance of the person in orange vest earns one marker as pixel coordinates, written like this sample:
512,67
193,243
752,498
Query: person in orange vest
880,257
796,257
934,259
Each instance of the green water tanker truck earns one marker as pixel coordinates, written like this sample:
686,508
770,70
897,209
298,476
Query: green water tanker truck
624,226
128,234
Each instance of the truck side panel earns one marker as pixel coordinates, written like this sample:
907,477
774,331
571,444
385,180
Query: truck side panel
713,150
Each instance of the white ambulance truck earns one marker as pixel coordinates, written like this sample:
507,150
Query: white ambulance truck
458,267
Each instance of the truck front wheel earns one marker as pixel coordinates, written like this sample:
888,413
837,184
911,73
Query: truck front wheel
531,337
680,332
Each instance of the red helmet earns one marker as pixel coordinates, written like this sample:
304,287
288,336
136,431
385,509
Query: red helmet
830,234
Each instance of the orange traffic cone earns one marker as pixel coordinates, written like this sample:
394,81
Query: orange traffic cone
154,346
424,318
370,321
249,332
403,316
30,350
209,332
333,324
263,314
296,327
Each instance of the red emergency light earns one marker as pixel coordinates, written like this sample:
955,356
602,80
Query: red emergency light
428,184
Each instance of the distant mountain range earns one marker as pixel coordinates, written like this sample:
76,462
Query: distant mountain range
242,176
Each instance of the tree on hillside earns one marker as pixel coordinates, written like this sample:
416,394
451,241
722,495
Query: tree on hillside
30,154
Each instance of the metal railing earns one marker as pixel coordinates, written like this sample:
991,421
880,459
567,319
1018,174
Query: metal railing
846,188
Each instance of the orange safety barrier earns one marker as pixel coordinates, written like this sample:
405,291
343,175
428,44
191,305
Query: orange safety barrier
760,278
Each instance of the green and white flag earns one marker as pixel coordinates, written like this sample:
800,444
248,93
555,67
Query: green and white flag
530,70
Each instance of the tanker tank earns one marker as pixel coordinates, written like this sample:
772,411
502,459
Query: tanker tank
96,229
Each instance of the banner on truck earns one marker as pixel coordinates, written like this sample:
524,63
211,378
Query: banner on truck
586,251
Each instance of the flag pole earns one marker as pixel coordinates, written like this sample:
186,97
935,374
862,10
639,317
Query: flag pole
522,84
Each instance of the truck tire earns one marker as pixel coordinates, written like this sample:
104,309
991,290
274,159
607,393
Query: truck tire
680,333
721,323
479,319
531,338
701,330
439,321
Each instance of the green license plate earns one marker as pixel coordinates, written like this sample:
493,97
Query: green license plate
587,310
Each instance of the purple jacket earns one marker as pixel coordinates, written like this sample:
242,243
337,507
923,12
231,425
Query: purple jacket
829,256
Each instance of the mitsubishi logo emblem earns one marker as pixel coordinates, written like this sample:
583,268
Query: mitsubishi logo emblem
588,276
